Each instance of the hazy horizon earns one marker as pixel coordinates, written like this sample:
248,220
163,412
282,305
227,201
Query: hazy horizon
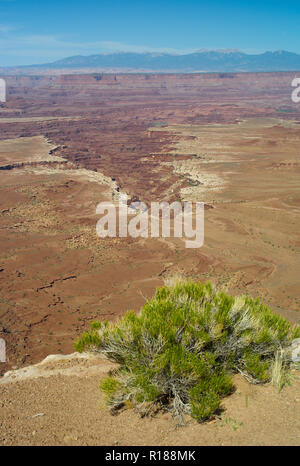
53,30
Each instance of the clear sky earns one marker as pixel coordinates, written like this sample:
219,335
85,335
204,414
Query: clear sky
42,31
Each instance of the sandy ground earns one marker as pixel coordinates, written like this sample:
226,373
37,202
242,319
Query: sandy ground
59,403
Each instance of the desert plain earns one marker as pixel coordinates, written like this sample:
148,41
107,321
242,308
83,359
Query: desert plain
68,142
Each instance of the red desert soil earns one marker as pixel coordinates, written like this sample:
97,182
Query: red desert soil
70,142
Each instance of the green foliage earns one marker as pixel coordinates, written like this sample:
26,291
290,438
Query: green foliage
180,352
110,386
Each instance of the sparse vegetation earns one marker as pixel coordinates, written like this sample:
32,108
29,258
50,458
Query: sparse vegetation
180,352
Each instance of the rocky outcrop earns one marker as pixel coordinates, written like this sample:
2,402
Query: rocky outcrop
80,364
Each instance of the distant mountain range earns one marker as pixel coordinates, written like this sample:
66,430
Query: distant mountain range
199,61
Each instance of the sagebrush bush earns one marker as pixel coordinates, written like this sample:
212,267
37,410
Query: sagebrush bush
180,352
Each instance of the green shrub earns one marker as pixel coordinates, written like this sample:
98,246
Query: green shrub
180,352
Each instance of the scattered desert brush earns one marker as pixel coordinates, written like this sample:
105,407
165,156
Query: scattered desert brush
180,352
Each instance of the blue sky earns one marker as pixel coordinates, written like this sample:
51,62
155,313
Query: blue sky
44,31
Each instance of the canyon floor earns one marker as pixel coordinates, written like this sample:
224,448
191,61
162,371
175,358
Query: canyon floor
70,142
